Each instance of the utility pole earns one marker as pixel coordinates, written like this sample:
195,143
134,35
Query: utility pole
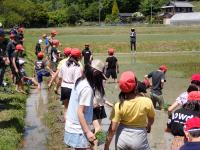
100,7
151,11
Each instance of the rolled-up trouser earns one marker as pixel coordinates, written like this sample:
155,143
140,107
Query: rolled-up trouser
128,138
157,99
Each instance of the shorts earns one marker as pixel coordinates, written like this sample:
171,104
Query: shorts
99,113
65,93
76,140
112,73
131,138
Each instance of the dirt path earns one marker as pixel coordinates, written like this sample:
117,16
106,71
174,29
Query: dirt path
35,136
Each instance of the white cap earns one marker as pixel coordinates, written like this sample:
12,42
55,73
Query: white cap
98,65
39,41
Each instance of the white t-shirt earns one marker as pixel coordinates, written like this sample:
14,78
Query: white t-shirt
82,94
182,98
69,75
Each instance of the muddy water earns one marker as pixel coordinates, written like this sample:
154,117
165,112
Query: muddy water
35,136
176,84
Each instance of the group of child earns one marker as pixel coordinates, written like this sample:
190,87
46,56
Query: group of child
83,96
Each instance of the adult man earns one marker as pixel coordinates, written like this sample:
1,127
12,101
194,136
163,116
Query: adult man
87,54
158,79
3,55
192,132
133,39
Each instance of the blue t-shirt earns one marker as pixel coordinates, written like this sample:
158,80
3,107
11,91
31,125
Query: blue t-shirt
191,146
82,94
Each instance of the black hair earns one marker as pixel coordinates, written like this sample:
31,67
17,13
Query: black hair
94,78
193,106
72,60
123,96
195,134
40,58
195,82
192,87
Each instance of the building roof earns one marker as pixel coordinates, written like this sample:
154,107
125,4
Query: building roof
177,4
125,14
194,16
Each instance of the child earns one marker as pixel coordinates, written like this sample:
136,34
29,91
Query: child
25,78
54,54
40,69
67,52
15,68
38,47
112,67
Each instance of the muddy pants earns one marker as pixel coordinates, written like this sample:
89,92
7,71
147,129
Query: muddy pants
157,99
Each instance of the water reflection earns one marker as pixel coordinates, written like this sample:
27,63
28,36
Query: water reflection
35,132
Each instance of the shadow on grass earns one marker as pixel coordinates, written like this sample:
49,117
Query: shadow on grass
13,123
5,105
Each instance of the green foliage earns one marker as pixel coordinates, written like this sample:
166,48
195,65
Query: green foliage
101,136
43,13
112,19
73,15
57,17
115,9
92,12
147,5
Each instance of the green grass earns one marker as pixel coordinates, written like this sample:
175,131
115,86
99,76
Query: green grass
12,123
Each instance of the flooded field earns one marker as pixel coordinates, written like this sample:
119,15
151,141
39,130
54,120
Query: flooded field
36,133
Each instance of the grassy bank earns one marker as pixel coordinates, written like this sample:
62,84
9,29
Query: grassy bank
12,113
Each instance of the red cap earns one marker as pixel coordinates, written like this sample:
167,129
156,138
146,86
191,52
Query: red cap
40,55
75,52
146,82
111,51
163,68
53,32
192,124
19,47
127,82
194,96
55,42
67,51
196,77
12,35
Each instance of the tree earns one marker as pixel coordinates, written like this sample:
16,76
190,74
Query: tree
73,15
92,13
115,9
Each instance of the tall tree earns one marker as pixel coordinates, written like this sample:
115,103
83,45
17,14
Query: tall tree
115,9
